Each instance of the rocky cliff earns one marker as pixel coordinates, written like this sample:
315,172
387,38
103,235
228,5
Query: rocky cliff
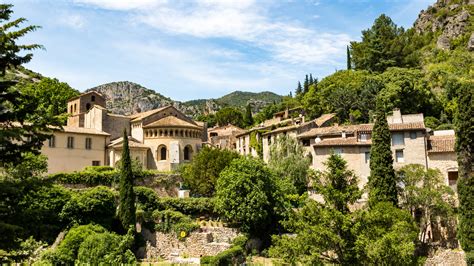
451,21
126,98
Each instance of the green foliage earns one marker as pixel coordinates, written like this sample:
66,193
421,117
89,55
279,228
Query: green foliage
174,221
210,119
126,208
256,142
95,205
31,165
322,228
288,161
248,118
382,180
240,99
67,251
425,190
465,150
232,256
386,235
189,206
108,248
250,195
203,172
146,198
230,115
87,177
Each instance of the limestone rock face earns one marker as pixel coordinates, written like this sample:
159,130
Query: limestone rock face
448,18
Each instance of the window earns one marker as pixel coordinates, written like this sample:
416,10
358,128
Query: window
363,137
187,153
88,143
337,151
163,153
306,142
93,98
95,163
399,156
75,107
70,142
367,156
413,135
70,109
52,142
269,139
398,139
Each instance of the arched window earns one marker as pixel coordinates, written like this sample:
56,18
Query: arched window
187,153
163,153
75,107
93,98
71,109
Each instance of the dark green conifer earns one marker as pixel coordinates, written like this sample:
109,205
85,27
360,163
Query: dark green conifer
382,181
299,89
349,63
248,118
465,151
126,211
306,85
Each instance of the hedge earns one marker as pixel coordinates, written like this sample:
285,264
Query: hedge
169,220
189,206
232,256
93,176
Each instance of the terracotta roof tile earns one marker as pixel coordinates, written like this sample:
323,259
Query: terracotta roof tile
172,121
83,130
441,143
132,143
324,118
140,116
352,141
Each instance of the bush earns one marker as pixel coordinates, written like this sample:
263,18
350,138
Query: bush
94,176
174,221
95,205
189,206
66,252
147,199
232,256
99,169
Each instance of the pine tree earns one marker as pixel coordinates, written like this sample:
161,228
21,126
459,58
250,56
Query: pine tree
25,123
306,85
299,89
311,81
465,151
349,63
382,181
248,119
126,210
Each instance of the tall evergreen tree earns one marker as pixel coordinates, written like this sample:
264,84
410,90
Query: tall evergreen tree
465,150
299,89
306,85
248,118
311,81
349,63
25,123
382,180
126,210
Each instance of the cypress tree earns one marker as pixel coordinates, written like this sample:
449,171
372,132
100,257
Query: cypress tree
126,211
349,63
248,119
382,182
465,151
311,81
306,85
299,89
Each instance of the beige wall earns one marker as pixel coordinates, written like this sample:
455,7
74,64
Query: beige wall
139,154
414,150
62,159
114,125
443,161
137,131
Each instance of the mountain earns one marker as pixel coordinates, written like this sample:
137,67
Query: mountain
126,98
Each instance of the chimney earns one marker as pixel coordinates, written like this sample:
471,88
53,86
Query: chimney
397,116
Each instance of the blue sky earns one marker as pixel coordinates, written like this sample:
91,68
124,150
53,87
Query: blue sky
187,49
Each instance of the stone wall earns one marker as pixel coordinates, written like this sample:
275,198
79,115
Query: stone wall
447,257
208,241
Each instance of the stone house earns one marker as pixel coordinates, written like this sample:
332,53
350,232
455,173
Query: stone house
224,137
159,139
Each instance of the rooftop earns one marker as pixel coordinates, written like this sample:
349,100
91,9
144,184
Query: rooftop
443,143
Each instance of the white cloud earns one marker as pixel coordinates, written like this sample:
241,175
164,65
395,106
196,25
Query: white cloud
245,21
74,21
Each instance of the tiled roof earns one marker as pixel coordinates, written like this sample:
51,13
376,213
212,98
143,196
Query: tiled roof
85,93
441,143
352,141
172,121
324,118
140,116
82,130
132,143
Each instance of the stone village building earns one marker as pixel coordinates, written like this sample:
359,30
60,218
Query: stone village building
159,139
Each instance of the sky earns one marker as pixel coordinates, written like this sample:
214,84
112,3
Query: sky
188,50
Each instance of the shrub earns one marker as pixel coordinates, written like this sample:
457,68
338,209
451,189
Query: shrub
174,221
93,205
66,252
189,206
232,256
92,178
147,199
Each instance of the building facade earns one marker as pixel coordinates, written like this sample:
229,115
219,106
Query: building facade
160,139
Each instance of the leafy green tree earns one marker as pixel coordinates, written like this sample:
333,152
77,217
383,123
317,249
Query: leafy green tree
323,230
382,179
465,152
386,235
288,160
24,124
126,209
210,119
425,190
248,118
202,173
31,165
249,194
51,94
230,115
